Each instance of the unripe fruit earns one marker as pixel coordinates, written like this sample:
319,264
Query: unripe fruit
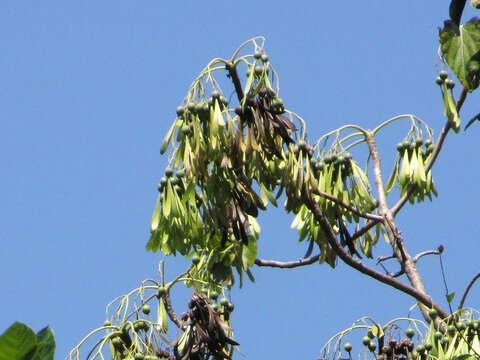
264,58
168,172
450,83
372,346
347,347
410,333
146,309
366,340
195,259
161,291
443,75
433,314
224,301
180,111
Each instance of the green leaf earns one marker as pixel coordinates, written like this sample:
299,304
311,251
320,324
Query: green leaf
459,48
391,180
18,342
162,316
155,216
450,109
45,344
167,138
249,254
450,297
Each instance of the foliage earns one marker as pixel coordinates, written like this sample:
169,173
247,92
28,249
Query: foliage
232,158
19,342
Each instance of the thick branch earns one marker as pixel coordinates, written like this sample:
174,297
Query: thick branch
232,71
348,207
359,266
396,241
464,297
171,313
287,264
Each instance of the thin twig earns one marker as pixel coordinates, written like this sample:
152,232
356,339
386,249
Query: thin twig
424,253
348,207
462,301
445,283
287,264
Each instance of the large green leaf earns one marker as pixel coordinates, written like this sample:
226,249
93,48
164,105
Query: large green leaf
18,342
45,344
459,48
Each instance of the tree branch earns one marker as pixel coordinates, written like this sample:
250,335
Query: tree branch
464,297
232,71
287,264
171,313
348,207
358,265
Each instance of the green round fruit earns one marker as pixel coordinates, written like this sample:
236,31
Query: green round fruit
181,173
439,80
418,141
428,346
161,291
450,83
428,142
116,341
257,55
438,335
372,346
410,333
451,330
224,301
370,334
215,94
191,106
230,307
186,129
433,314
258,70
214,295
168,172
264,58
195,259
107,323
420,348
180,111
366,340
347,347
461,325
302,144
146,309
443,75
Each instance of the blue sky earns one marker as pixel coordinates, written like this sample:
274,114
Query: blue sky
90,88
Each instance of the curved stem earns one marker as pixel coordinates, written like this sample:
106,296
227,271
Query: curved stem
464,297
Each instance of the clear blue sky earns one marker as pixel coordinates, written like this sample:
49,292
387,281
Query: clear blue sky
88,90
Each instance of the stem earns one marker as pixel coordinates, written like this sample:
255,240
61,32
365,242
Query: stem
288,264
462,301
396,241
